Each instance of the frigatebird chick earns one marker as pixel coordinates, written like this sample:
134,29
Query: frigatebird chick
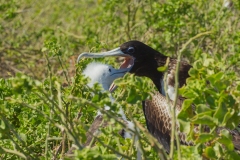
105,75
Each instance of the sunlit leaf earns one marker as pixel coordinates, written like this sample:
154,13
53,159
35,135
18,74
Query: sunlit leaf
162,69
205,137
204,118
210,153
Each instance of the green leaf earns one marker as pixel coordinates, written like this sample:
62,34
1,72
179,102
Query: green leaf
233,122
190,152
200,108
221,86
207,62
227,116
133,96
204,118
197,65
227,142
204,137
190,94
193,72
95,98
226,139
218,76
1,150
162,68
23,136
220,113
184,125
184,115
210,153
225,133
186,104
2,125
233,155
216,80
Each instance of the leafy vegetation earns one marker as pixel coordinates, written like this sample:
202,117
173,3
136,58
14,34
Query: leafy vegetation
46,106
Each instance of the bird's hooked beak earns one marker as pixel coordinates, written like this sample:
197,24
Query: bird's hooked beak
114,52
116,74
127,63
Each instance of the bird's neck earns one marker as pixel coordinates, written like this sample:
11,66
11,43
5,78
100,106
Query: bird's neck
157,76
149,68
105,86
157,81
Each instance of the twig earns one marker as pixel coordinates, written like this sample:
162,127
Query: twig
137,143
71,34
52,105
62,116
173,111
17,145
64,69
128,22
71,133
102,143
14,152
162,153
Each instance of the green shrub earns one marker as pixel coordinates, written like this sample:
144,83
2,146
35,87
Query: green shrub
46,106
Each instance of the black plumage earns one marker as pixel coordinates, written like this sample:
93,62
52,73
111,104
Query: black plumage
147,60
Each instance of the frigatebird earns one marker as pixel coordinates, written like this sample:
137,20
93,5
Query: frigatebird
145,61
105,75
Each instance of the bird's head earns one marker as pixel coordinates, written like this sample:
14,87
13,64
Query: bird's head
137,54
103,74
136,50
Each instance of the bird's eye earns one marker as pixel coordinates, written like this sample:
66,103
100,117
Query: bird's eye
131,50
110,70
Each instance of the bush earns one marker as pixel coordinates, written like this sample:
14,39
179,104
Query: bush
46,106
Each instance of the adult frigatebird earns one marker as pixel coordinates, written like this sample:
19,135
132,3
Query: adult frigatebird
144,61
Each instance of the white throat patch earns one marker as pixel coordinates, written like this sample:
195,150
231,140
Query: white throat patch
170,90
